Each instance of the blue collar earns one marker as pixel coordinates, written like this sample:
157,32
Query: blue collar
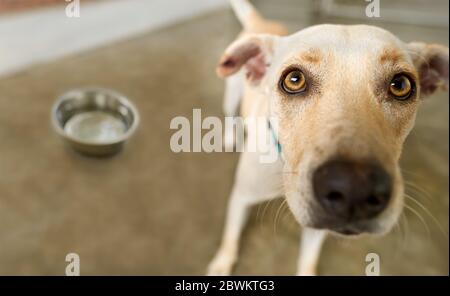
274,135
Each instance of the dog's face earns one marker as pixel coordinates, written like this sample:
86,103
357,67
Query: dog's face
345,98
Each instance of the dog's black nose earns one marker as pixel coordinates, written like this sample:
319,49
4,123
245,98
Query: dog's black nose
352,191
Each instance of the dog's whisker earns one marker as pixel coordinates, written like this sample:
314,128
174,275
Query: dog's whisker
399,238
258,210
403,222
420,218
419,204
272,204
417,195
407,228
417,189
286,213
266,206
277,215
408,172
262,214
275,220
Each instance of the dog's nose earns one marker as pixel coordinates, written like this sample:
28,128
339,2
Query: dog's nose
352,191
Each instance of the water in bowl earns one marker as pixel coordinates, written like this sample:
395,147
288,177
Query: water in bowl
97,127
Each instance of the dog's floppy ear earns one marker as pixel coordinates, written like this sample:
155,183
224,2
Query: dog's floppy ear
431,61
254,52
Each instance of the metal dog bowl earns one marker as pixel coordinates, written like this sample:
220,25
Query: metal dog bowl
94,121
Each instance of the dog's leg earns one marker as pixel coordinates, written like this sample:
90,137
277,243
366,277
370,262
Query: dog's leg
254,183
310,246
237,213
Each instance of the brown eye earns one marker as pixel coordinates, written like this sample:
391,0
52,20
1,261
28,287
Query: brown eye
401,87
294,82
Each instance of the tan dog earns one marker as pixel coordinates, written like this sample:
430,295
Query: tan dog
344,98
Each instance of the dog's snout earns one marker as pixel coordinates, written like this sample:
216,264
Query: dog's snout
352,191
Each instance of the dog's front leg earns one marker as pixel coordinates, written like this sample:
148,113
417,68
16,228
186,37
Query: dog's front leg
255,182
310,246
237,213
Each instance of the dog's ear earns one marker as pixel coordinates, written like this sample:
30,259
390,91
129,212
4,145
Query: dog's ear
431,62
254,52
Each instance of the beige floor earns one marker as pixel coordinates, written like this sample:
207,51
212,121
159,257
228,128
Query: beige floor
149,211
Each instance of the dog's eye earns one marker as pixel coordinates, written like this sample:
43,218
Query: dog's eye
401,87
294,82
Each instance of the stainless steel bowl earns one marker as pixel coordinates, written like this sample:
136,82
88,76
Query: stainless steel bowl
94,121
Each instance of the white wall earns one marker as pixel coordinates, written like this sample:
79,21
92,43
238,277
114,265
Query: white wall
42,35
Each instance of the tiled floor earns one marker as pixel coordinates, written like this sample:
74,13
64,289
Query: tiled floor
149,211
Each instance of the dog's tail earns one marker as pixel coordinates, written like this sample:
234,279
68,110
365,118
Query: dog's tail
245,12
